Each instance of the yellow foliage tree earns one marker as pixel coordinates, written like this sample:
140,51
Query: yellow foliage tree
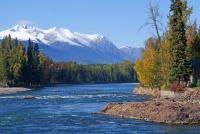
146,67
164,57
18,62
193,43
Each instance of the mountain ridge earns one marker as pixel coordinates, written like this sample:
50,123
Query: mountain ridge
63,45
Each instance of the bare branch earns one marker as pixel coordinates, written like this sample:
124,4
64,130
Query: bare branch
154,19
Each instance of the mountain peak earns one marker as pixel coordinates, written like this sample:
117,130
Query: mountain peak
24,32
62,44
20,27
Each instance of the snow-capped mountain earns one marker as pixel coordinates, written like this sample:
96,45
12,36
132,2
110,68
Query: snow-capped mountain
49,36
131,53
63,45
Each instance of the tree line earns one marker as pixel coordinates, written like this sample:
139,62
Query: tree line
166,60
25,65
71,72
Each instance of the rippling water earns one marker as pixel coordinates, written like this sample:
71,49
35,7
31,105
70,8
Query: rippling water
70,108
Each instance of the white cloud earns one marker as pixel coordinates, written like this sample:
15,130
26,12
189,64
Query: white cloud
24,22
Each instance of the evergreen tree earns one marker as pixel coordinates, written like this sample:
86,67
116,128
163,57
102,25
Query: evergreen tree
19,64
8,46
29,66
42,60
180,68
3,74
36,65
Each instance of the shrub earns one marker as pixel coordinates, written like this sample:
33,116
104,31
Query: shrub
165,87
198,83
176,87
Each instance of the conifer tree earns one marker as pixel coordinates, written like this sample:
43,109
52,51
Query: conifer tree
36,64
33,64
3,73
29,67
180,68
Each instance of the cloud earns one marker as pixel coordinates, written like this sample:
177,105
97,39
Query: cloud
24,22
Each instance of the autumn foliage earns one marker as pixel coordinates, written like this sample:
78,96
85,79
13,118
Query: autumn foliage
153,68
166,61
146,67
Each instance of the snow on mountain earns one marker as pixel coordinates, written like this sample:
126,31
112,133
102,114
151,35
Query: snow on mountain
20,32
131,53
63,45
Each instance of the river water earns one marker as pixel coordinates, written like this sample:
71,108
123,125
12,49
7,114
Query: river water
69,109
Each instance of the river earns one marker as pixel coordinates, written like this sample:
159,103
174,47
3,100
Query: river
69,109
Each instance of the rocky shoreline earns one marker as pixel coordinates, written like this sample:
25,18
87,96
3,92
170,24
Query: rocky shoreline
12,90
147,91
164,107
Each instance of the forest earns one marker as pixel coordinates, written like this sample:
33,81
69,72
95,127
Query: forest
168,59
27,65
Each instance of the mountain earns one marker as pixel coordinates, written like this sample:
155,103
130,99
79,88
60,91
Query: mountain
63,45
131,53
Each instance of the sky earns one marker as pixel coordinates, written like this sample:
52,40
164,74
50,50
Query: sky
118,20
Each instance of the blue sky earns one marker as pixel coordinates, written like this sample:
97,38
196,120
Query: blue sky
119,20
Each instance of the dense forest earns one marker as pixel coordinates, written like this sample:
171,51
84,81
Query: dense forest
71,72
167,60
28,66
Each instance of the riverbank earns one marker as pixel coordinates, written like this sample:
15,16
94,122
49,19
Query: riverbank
12,90
165,107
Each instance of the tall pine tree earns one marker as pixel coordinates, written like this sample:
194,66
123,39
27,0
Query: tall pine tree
180,68
29,67
36,65
33,64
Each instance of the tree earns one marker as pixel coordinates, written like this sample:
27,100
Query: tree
165,60
42,60
12,60
3,77
7,46
193,41
154,19
36,65
180,68
147,68
34,68
29,67
19,58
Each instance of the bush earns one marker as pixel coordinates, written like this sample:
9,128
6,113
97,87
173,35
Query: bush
165,87
175,87
198,83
